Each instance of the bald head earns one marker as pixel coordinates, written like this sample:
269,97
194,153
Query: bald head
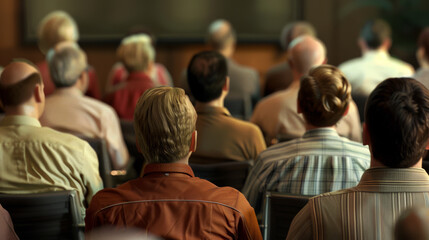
412,224
17,85
294,30
306,52
221,34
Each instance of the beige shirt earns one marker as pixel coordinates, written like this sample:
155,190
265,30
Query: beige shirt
223,137
367,211
68,110
38,159
277,116
366,72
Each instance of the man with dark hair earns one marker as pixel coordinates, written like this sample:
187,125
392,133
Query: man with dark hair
221,137
376,64
320,161
34,158
280,76
68,110
168,200
396,128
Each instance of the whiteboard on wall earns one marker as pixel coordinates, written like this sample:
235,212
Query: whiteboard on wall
169,20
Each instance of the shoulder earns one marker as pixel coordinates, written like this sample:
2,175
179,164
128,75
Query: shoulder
402,66
350,64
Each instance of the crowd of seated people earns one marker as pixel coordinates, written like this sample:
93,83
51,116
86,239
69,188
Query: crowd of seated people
304,137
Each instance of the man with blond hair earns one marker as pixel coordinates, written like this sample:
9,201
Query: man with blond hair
68,110
34,158
168,201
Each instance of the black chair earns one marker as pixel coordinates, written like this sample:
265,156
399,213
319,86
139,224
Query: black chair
360,100
49,215
104,163
240,106
232,174
129,135
279,211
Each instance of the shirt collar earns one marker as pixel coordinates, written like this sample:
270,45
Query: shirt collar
317,132
168,168
19,120
205,109
376,54
69,91
394,180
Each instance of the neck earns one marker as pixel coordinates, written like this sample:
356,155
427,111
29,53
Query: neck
23,110
227,52
214,103
311,127
375,163
184,160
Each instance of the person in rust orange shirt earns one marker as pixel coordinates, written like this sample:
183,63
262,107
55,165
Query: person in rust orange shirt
168,200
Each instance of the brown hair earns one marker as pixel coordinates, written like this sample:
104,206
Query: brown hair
18,93
164,121
324,96
397,119
136,52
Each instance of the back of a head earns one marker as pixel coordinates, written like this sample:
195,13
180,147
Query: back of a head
207,72
17,83
413,224
56,27
66,63
397,119
324,96
136,52
306,52
375,32
294,30
164,120
221,34
423,42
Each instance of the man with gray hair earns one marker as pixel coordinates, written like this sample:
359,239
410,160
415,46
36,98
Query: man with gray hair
277,114
67,109
280,76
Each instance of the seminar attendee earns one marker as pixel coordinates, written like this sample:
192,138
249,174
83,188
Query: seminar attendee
277,114
168,201
34,158
159,74
244,81
320,161
137,54
376,64
396,128
279,77
422,54
7,231
413,224
56,27
220,136
68,110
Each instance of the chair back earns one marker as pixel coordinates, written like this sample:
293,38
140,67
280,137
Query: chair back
279,211
104,163
240,106
129,135
232,174
360,100
48,215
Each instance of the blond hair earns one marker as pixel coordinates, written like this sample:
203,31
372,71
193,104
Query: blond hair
136,52
56,27
324,96
164,120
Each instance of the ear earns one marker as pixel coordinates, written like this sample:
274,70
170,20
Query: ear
226,85
38,93
387,43
325,61
347,110
193,146
366,139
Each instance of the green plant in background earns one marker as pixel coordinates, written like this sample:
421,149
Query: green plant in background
406,17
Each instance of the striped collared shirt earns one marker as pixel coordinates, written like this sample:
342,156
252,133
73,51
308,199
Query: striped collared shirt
367,211
321,161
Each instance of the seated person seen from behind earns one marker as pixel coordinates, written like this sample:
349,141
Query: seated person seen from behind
168,201
68,110
34,158
396,128
320,161
220,136
137,54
